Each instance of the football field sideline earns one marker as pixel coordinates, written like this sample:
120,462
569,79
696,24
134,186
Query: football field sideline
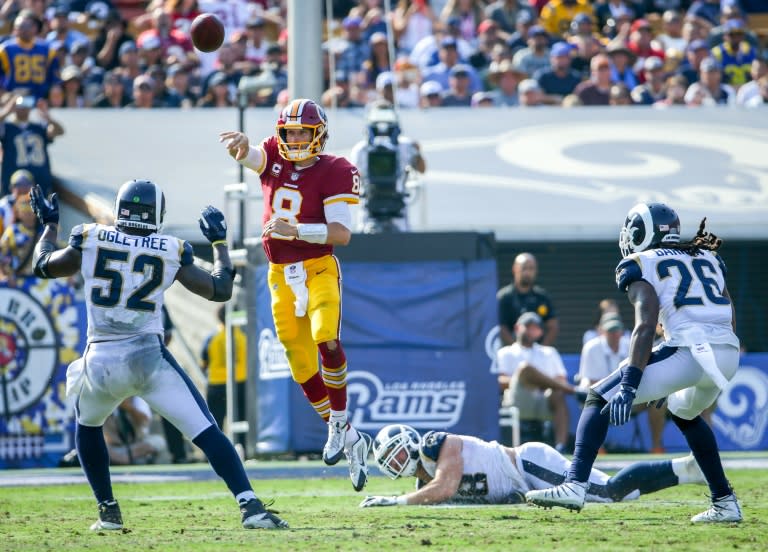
300,469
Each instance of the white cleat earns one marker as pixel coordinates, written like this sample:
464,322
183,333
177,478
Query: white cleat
723,510
570,495
357,457
110,518
334,446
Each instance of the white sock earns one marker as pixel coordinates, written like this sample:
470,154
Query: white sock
351,437
244,497
338,416
685,472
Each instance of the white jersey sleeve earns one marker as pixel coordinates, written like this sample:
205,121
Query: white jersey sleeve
692,307
125,277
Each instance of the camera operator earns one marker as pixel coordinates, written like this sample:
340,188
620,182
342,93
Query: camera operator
387,160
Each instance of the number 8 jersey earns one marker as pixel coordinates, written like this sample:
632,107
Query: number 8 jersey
125,277
692,306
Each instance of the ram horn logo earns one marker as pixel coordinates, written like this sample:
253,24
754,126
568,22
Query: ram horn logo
742,409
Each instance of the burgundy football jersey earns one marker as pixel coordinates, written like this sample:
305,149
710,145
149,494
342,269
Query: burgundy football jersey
299,196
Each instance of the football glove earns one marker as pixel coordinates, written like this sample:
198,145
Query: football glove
46,210
620,405
371,501
212,224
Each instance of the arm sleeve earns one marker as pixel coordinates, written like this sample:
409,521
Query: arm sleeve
338,212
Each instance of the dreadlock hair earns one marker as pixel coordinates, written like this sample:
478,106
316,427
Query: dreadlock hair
702,240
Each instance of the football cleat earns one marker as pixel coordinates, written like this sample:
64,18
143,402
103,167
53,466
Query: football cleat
723,510
357,457
334,446
570,495
110,518
257,516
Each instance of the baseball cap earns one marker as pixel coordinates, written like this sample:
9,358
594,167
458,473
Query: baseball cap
385,78
485,25
80,46
61,10
610,322
25,102
698,44
528,85
70,72
430,88
652,63
735,25
151,42
480,97
448,42
582,18
640,24
459,70
529,318
143,79
128,46
453,21
22,177
351,21
709,64
524,17
560,49
537,30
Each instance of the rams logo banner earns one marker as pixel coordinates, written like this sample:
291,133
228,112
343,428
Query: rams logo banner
42,330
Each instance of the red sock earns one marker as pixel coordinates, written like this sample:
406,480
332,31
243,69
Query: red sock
314,390
335,375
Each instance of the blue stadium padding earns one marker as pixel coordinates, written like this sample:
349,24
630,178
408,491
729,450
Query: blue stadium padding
414,334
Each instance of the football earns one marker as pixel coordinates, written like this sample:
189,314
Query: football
207,32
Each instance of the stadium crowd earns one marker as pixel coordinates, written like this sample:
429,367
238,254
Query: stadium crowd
138,54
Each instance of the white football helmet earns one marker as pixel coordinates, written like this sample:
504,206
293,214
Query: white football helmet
387,447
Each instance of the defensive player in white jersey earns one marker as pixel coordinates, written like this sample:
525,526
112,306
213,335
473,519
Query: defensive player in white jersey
126,269
463,469
682,286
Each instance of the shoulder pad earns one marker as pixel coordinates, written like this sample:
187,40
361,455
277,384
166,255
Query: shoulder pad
628,271
431,444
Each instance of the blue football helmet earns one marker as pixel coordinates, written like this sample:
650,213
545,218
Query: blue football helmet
647,226
389,441
140,204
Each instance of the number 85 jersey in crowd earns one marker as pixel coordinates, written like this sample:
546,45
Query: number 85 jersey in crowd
301,195
125,277
693,307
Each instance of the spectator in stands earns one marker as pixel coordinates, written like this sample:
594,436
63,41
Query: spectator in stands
213,361
605,306
24,50
696,52
674,91
505,14
407,79
128,437
519,39
449,57
356,49
341,93
622,61
619,94
225,65
504,78
730,12
735,54
21,183
708,10
652,90
482,99
143,93
24,142
760,100
612,9
523,295
256,43
113,93
531,94
535,55
469,14
671,36
642,44
711,85
587,47
412,21
596,91
533,379
378,60
91,75
72,87
60,28
556,15
151,52
178,86
487,38
217,93
751,89
18,240
182,13
459,93
129,65
426,53
559,79
430,94
108,44
163,31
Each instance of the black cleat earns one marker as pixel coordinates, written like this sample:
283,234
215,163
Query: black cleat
257,516
110,518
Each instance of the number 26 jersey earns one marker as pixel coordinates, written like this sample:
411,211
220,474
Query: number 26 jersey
125,277
692,306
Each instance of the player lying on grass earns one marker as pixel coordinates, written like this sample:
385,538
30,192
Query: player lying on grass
464,469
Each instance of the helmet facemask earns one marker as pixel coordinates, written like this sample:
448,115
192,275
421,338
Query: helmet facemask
302,115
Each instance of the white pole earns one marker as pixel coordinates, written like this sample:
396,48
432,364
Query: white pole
391,48
331,53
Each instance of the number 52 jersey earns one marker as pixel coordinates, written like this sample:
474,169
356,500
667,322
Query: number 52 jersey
692,306
125,277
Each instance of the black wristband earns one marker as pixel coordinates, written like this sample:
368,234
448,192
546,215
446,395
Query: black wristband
631,376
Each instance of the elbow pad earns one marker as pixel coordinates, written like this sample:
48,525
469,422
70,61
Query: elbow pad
43,251
222,279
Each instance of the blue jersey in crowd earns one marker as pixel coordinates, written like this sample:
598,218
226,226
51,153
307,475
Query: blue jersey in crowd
33,66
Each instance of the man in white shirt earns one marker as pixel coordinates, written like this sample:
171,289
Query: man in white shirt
533,378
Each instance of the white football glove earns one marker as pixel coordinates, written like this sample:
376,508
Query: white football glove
371,501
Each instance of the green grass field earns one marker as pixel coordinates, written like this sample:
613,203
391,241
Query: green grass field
324,516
